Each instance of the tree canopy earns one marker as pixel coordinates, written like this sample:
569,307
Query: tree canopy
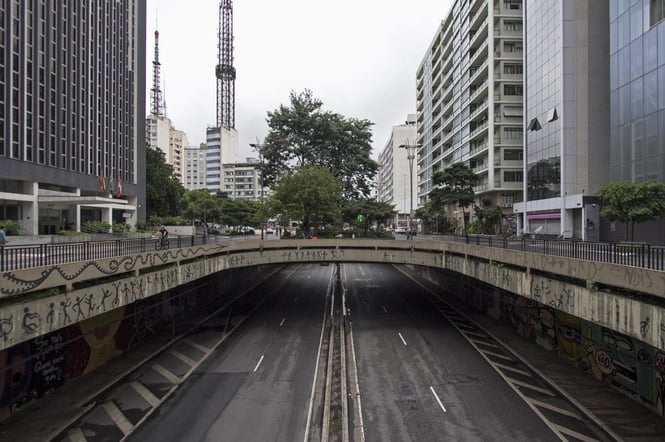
454,185
373,213
632,203
311,194
163,190
303,134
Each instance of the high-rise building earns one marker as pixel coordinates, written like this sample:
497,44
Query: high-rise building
469,100
637,101
567,117
72,113
393,184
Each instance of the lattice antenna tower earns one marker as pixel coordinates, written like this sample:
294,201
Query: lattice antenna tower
224,71
156,103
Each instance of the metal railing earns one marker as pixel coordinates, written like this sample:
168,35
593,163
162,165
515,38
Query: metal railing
40,255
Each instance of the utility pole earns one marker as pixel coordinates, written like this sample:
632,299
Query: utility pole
258,148
410,155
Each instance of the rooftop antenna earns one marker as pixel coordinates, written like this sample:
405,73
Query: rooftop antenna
155,92
224,71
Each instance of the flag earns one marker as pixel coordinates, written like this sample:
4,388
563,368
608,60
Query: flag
118,187
102,183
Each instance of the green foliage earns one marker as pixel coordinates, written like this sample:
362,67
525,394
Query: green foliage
96,227
454,185
121,228
374,213
237,212
488,218
434,219
201,205
311,194
10,227
163,190
632,203
302,134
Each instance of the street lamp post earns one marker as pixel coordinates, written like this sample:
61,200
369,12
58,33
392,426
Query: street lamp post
258,147
410,155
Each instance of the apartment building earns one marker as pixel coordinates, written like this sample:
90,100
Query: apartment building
72,113
393,179
195,167
222,148
469,100
567,105
243,180
162,135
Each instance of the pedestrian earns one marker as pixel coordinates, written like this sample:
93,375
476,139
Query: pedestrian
3,238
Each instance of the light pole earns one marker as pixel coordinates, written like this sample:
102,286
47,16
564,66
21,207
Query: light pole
258,147
410,155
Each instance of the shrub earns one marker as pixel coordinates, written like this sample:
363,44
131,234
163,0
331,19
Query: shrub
96,227
10,227
121,228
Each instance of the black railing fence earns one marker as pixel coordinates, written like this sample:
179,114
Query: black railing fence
629,254
40,255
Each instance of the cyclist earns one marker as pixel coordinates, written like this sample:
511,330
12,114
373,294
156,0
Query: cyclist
163,234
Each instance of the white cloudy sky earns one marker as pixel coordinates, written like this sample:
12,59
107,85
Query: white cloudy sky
359,57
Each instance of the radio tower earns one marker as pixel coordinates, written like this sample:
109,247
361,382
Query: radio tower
225,72
156,92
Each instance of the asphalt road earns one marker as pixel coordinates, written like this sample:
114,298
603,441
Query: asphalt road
420,380
257,386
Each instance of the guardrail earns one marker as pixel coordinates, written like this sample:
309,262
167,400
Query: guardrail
40,255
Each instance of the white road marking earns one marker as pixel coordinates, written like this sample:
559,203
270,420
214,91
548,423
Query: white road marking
145,393
402,338
118,418
485,343
170,376
282,323
258,363
384,309
513,369
203,348
498,355
532,387
574,433
75,435
474,333
436,396
184,358
554,408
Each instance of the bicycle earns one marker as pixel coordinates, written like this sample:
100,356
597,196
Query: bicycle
162,243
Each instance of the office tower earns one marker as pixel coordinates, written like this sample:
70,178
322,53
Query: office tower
469,101
567,117
72,109
195,167
243,180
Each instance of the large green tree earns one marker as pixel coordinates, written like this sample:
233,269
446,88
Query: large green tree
200,204
163,190
434,219
632,203
373,213
454,185
311,194
303,134
488,217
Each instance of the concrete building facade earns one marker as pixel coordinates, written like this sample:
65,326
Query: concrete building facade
222,148
567,117
243,180
195,168
469,101
393,177
72,113
162,135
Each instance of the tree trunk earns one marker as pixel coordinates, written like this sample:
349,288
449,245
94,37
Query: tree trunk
464,221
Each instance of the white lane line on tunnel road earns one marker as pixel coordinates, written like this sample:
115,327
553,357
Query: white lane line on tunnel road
575,434
118,418
184,358
402,338
258,363
513,369
145,393
170,376
203,348
384,308
436,396
556,409
282,322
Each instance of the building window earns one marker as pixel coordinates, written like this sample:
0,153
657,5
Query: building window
512,89
512,176
512,133
657,11
512,4
512,25
512,69
513,155
513,46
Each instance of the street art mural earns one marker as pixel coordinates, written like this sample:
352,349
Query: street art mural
613,358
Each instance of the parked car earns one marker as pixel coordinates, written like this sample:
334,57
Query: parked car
269,230
400,230
246,230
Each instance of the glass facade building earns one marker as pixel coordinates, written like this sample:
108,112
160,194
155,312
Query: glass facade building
637,90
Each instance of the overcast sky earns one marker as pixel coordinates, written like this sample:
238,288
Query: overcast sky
359,57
